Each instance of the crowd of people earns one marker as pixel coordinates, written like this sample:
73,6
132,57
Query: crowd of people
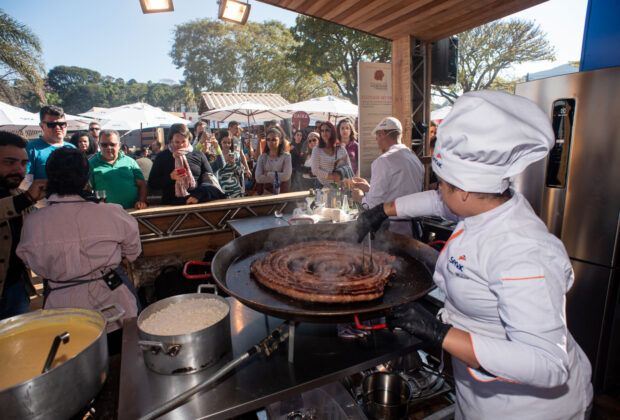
95,177
210,164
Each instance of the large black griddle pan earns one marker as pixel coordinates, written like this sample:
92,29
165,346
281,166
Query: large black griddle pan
231,270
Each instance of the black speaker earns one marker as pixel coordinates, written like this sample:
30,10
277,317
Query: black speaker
444,59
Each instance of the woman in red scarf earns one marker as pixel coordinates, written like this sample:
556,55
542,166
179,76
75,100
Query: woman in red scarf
182,174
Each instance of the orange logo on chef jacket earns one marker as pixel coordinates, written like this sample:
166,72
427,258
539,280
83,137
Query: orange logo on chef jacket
462,258
436,158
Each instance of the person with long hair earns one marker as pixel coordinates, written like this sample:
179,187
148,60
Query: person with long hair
230,172
347,136
273,160
330,162
308,180
89,239
84,143
183,174
298,150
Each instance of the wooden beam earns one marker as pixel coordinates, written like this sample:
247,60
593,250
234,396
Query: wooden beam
401,85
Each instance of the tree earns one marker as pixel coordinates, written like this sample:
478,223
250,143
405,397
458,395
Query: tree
485,51
20,58
64,78
232,58
327,48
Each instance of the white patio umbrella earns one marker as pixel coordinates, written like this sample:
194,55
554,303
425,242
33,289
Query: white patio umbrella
245,111
324,107
138,115
18,120
12,116
95,112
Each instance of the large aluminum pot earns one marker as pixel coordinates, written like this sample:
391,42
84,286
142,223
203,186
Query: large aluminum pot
67,388
186,353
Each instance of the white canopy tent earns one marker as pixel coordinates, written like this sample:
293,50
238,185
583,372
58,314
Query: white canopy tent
134,116
20,121
323,108
249,112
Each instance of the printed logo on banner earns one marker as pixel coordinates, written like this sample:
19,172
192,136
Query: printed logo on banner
378,82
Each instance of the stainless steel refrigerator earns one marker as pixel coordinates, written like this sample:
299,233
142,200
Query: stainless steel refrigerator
576,192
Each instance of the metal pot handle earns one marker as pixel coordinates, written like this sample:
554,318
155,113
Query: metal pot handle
156,346
210,287
120,312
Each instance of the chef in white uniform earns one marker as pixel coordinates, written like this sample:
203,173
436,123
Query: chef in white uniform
504,275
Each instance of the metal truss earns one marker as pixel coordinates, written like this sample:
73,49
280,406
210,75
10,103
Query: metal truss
193,221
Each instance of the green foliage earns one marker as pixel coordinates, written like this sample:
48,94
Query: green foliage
329,49
485,51
78,89
20,58
217,56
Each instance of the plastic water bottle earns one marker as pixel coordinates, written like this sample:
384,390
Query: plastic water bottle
345,203
276,184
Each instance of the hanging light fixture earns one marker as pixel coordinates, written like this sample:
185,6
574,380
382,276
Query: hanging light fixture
234,11
156,6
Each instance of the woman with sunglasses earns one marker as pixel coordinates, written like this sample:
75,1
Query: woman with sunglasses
330,162
308,180
273,160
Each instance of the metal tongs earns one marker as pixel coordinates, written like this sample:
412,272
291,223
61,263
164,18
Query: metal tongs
370,266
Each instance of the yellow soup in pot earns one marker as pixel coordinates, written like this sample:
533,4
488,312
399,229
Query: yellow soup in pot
24,350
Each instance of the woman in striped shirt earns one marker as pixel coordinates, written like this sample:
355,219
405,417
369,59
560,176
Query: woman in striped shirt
229,175
330,162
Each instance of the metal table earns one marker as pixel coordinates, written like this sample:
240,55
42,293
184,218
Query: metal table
321,357
243,227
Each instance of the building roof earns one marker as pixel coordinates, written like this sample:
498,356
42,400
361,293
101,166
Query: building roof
555,71
427,20
215,100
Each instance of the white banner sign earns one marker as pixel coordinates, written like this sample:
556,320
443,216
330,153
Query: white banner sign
375,103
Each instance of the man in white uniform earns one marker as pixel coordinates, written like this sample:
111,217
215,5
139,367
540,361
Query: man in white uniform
504,275
396,173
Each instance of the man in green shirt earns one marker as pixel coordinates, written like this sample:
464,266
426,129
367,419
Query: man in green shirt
117,174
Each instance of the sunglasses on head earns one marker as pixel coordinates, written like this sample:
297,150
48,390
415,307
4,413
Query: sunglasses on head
61,124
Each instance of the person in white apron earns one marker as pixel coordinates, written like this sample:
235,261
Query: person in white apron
504,275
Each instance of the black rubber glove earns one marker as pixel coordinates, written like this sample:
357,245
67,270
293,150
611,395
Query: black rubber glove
416,320
369,221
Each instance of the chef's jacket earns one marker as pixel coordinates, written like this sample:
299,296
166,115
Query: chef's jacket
505,278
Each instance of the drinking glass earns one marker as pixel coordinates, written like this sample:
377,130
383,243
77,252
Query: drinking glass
100,195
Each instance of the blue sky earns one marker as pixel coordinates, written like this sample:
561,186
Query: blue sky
116,39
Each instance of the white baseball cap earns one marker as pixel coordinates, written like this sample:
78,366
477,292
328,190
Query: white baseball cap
489,137
388,124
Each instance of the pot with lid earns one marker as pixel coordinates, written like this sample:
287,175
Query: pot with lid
185,333
77,372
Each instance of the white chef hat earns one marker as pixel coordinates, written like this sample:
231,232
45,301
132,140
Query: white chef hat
489,137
